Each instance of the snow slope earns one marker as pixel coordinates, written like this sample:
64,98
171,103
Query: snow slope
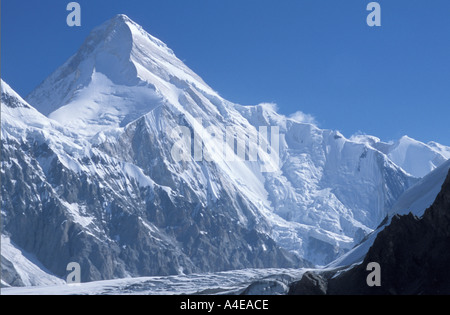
422,195
415,200
29,269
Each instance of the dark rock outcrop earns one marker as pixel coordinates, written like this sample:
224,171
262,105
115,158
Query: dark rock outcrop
413,253
9,274
310,284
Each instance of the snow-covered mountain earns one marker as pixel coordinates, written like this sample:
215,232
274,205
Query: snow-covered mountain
95,181
415,157
65,200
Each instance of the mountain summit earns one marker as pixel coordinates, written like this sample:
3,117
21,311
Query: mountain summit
119,74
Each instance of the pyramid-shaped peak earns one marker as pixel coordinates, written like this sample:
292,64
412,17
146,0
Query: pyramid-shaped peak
119,20
117,53
121,31
112,26
122,17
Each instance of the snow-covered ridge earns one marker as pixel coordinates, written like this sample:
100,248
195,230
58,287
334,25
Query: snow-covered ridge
6,90
415,157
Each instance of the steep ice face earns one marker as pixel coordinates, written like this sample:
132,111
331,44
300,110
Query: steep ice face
330,190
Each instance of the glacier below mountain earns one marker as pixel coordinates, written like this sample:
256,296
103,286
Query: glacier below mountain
94,181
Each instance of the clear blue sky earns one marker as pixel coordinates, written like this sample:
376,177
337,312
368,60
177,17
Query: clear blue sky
317,56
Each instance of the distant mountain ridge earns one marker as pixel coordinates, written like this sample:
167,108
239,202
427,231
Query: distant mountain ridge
415,157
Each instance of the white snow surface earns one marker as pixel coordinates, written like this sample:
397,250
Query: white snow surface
220,283
30,270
